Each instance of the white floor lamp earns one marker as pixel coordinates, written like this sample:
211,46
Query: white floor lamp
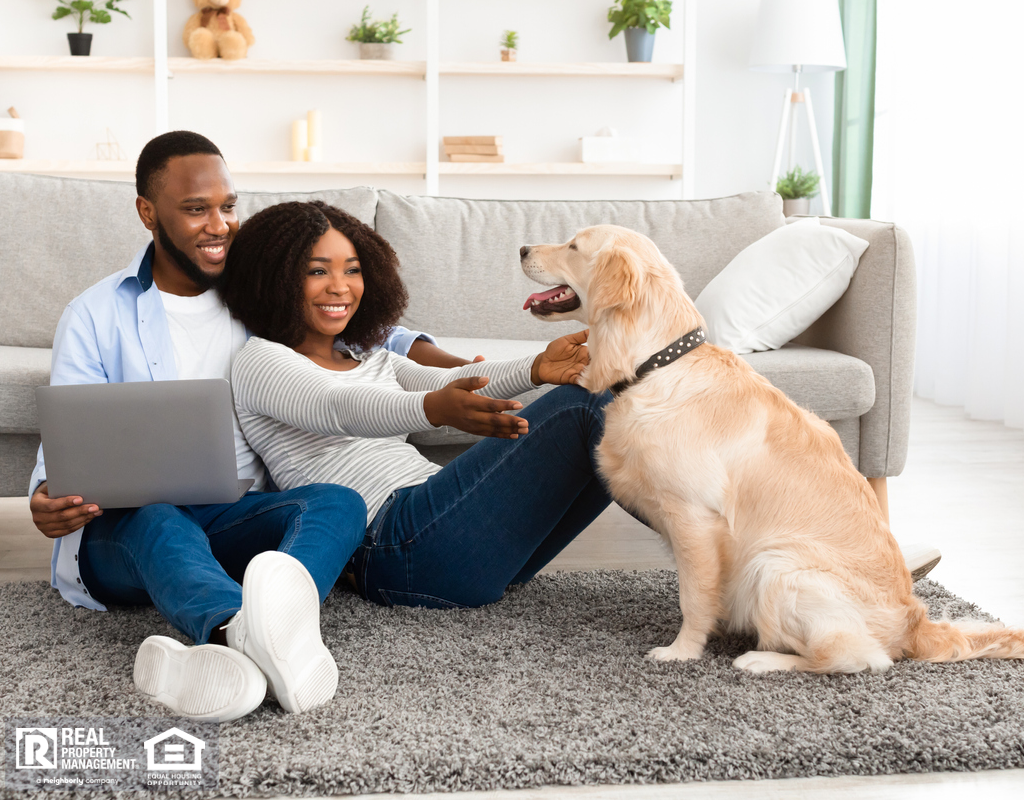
798,36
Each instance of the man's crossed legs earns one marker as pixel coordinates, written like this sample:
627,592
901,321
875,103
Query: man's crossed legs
250,574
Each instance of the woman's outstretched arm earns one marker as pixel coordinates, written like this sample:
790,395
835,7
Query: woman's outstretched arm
274,381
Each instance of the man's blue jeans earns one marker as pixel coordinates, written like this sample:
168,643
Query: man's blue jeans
492,517
188,561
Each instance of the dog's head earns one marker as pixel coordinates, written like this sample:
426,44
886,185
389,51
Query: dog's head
619,283
600,269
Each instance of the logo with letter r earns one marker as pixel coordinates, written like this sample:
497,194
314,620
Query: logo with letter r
36,748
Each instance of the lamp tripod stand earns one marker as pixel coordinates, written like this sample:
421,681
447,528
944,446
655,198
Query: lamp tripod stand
794,96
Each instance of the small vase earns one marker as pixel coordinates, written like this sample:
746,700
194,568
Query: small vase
80,43
12,138
374,51
639,44
507,54
798,205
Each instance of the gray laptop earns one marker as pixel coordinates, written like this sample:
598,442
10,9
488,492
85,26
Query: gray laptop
125,445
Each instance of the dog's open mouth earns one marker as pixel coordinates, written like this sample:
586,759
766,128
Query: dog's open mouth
554,301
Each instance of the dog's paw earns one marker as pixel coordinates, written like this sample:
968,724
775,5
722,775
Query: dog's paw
764,661
675,653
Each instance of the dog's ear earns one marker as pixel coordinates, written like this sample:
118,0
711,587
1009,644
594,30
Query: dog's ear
616,278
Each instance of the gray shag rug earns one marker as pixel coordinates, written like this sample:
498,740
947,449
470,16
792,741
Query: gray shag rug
548,686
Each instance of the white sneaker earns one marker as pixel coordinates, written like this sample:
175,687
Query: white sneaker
204,682
278,627
921,559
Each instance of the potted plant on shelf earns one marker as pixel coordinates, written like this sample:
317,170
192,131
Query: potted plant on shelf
509,43
82,11
639,19
375,38
797,188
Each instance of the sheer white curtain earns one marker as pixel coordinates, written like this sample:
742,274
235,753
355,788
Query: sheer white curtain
948,167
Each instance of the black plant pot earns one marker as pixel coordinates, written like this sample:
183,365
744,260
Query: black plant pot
80,43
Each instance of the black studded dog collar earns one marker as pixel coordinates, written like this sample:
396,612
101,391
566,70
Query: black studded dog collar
686,343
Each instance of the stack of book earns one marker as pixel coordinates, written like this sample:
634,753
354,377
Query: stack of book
474,148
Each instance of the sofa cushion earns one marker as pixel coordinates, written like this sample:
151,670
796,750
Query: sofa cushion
832,385
778,286
22,369
460,258
59,236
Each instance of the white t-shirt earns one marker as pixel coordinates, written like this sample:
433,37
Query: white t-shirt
205,338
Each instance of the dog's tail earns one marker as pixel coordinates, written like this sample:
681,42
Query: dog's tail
960,640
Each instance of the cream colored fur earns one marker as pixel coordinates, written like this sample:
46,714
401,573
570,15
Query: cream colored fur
773,529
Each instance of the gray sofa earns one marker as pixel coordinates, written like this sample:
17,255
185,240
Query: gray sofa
460,259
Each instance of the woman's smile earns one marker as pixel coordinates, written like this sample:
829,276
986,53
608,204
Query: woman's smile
339,311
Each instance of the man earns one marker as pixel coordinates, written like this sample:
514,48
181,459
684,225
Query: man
242,580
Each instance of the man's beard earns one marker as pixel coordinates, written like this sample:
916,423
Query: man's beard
202,280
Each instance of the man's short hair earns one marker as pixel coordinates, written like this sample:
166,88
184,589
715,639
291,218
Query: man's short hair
158,151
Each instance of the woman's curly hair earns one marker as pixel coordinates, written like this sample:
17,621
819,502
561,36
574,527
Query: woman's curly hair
263,278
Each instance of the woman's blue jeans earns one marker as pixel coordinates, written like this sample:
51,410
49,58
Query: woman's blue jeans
492,517
188,561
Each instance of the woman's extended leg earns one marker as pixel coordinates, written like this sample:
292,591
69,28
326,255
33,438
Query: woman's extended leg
495,515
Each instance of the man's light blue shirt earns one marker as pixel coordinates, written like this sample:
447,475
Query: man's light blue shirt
116,332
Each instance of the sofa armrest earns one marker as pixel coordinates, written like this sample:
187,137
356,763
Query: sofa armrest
875,321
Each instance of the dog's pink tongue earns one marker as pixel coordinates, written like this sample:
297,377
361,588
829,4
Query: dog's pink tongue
540,297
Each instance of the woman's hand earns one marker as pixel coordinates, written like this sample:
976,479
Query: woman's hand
458,405
563,360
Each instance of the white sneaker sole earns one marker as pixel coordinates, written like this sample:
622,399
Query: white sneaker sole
282,622
203,682
920,559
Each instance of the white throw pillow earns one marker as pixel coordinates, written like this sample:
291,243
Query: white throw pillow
775,288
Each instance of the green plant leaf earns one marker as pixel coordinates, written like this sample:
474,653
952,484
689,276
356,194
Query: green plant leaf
61,12
796,183
112,6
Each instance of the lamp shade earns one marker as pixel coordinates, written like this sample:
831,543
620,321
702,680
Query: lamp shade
805,33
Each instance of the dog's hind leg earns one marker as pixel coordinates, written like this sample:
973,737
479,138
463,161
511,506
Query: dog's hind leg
813,616
767,661
694,535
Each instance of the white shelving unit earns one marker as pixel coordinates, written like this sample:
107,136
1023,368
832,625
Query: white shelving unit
163,68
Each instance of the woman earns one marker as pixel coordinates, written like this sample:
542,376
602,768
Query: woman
320,290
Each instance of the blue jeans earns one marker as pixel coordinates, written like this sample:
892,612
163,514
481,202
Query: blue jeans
492,517
188,561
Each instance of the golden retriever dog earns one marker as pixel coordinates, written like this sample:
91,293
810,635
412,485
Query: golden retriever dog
773,529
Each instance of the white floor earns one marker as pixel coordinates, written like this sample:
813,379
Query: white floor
962,490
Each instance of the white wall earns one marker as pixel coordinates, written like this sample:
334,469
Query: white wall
367,119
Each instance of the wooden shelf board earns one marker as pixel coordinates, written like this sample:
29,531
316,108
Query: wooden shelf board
325,168
561,168
77,63
55,166
416,69
673,72
50,166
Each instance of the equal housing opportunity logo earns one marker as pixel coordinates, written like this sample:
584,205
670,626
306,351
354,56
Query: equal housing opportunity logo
135,753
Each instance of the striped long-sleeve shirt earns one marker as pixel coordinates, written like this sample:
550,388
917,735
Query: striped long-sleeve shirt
311,424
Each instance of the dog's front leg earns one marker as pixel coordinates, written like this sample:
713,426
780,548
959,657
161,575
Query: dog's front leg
694,535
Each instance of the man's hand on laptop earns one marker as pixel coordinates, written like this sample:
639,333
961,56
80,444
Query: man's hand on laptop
59,516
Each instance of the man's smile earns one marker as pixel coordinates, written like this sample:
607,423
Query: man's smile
214,252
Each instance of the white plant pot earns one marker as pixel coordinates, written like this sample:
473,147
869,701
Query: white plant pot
798,205
374,51
12,138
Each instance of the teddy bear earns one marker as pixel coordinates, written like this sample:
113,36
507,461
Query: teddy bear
215,30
